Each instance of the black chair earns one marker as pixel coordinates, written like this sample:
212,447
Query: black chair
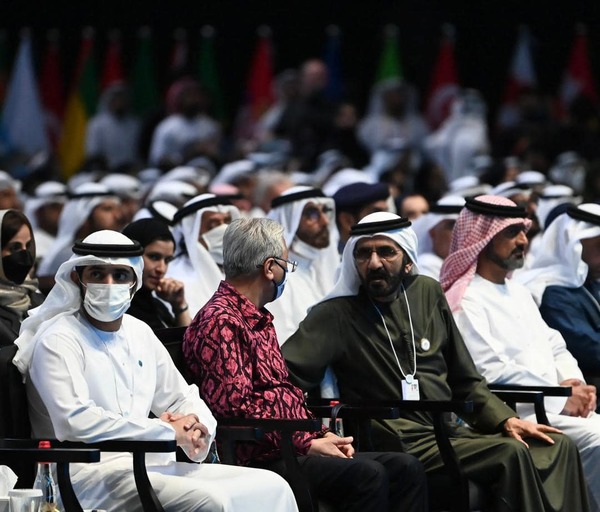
14,423
449,489
15,452
514,393
231,431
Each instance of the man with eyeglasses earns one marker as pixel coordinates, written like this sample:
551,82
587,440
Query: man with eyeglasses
95,373
388,334
500,321
307,217
232,352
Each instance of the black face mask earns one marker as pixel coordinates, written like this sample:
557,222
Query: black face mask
17,265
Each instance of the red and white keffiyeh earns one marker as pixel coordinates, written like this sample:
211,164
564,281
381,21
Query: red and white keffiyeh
472,233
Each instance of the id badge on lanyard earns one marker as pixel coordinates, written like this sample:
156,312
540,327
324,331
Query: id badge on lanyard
410,388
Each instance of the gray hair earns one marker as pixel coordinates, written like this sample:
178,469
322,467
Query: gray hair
247,243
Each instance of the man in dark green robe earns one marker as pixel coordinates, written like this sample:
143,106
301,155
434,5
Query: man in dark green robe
382,325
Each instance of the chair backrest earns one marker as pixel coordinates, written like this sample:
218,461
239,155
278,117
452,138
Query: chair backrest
14,416
172,339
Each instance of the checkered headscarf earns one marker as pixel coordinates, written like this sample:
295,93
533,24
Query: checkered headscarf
472,233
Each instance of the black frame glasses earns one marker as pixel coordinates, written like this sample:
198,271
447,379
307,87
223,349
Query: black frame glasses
293,264
385,252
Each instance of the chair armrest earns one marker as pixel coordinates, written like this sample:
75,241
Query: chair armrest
14,450
272,424
546,390
512,397
138,448
125,445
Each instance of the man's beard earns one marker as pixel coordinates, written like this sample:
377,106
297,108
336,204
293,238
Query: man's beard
514,262
381,284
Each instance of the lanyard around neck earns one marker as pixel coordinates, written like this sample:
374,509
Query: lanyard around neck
410,377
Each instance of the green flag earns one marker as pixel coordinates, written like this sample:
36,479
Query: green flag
208,73
389,63
145,89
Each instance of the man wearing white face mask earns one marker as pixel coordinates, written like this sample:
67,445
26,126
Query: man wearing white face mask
95,373
199,227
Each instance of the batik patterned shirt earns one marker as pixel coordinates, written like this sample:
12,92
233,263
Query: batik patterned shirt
232,353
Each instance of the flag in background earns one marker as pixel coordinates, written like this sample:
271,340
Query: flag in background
179,53
389,67
521,77
51,88
333,60
389,63
577,79
22,115
145,94
208,72
443,86
259,95
113,67
81,105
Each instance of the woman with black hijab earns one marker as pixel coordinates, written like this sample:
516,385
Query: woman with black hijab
151,303
18,290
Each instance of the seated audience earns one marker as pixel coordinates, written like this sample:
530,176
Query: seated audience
232,351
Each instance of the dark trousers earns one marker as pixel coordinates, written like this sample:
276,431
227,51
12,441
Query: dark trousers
371,481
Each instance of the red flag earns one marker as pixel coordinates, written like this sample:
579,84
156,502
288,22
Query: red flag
259,88
578,79
443,86
521,77
260,80
51,89
113,68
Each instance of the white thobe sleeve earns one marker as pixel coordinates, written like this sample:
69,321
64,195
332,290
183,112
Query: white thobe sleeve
566,364
171,385
492,355
57,372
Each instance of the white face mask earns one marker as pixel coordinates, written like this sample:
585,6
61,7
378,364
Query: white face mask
107,302
214,242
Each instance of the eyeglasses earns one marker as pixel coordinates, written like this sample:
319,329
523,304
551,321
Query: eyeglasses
313,213
384,252
290,266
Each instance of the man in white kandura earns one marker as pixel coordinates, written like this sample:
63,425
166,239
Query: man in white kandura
94,373
502,326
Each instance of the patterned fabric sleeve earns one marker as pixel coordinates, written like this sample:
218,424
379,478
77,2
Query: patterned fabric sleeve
239,377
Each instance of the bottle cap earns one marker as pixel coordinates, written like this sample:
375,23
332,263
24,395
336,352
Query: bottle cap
44,444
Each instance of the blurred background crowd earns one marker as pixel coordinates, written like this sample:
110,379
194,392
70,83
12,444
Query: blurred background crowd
415,94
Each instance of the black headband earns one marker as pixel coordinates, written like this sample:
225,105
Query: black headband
495,210
370,228
157,215
445,208
110,250
297,196
84,195
198,205
578,214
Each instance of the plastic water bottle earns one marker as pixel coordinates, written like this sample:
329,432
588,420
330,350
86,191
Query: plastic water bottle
45,481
